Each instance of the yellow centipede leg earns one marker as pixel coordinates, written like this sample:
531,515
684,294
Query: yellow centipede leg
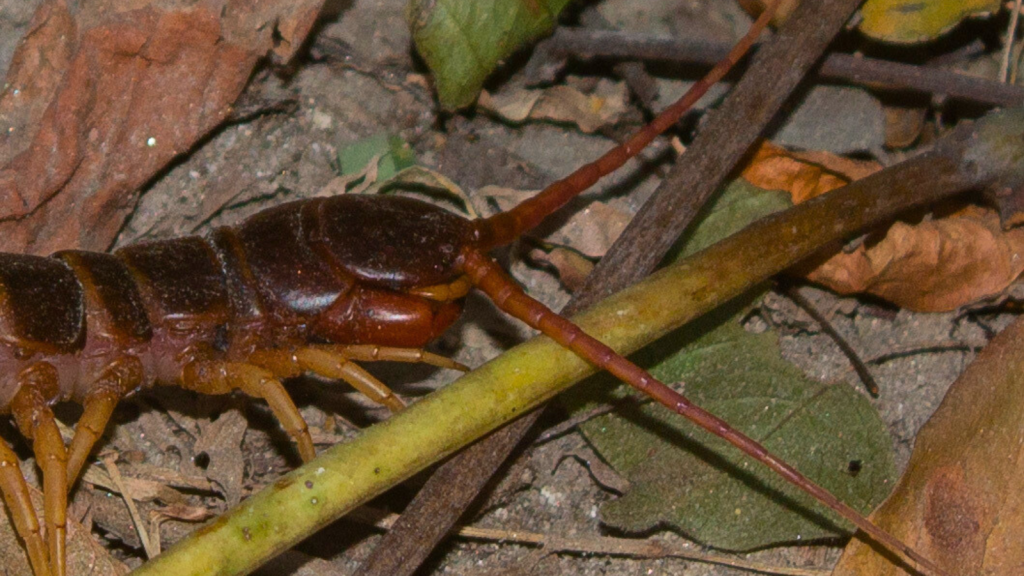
338,367
326,362
373,353
23,515
30,407
215,377
118,379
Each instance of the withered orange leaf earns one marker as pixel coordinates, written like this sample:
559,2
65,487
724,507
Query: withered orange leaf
961,501
803,174
98,99
929,266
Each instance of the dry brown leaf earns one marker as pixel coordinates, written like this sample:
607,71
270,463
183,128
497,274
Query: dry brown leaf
36,69
590,230
503,198
100,98
221,440
183,512
146,482
140,489
803,174
560,104
930,266
961,501
903,125
179,512
169,477
572,267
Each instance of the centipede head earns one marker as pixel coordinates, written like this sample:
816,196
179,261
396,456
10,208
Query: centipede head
393,242
404,254
355,269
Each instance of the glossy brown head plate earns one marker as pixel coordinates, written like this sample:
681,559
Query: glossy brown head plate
390,241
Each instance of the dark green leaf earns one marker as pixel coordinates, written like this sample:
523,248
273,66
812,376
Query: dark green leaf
683,477
394,156
462,41
738,205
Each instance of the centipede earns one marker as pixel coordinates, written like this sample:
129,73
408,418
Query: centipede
311,286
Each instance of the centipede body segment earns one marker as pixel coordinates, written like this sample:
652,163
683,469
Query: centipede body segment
303,287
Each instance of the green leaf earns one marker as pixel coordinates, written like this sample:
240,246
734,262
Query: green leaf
684,477
393,152
738,205
463,41
910,21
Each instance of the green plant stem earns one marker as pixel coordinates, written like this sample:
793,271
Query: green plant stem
348,475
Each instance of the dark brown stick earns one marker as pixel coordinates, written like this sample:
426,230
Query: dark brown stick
641,84
873,73
438,505
774,73
505,227
442,500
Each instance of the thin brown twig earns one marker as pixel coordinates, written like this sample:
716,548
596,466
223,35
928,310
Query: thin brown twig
567,426
1011,36
870,72
923,348
856,363
110,464
603,545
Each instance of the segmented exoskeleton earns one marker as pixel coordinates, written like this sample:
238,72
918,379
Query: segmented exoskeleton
238,310
309,286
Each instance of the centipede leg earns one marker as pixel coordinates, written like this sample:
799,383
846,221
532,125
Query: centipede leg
117,380
339,367
372,353
214,377
15,491
30,407
329,364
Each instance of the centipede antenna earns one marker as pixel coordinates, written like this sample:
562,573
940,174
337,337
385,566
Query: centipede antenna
503,291
503,228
